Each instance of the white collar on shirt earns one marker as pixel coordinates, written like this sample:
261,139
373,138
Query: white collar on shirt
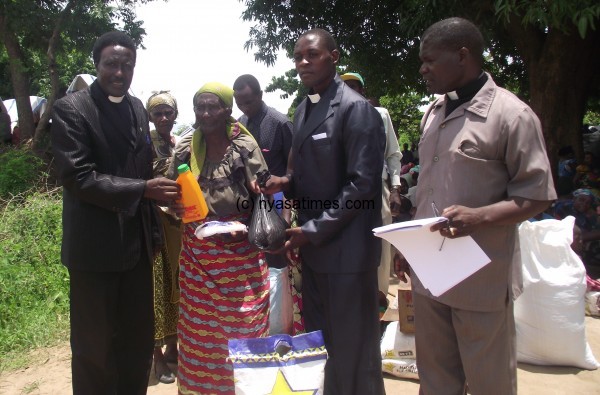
314,98
115,99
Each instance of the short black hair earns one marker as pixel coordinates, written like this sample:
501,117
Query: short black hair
112,38
455,33
324,35
247,80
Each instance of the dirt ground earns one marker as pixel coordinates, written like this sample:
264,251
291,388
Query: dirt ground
49,373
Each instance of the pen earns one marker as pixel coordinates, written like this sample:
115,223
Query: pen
448,228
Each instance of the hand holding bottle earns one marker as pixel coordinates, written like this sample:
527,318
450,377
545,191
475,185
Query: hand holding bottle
162,189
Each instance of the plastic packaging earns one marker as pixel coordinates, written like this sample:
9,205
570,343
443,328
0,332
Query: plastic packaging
211,228
267,229
191,196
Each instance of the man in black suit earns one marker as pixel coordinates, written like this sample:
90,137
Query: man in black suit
334,173
103,155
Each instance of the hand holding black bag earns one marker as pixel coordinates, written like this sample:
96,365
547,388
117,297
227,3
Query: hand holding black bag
267,228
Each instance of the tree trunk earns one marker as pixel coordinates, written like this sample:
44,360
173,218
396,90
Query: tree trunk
19,78
559,88
42,127
560,67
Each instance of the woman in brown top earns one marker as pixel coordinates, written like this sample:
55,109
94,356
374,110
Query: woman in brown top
223,278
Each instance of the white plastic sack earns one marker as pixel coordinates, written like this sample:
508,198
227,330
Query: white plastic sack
398,353
592,303
403,368
549,315
397,345
281,312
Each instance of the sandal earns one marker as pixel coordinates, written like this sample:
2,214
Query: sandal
163,373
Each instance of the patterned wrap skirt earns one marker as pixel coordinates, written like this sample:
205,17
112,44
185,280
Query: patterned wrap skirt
224,295
166,289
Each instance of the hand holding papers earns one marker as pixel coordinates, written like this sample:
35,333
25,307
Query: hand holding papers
438,266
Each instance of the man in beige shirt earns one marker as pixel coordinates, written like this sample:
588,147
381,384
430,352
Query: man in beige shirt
484,165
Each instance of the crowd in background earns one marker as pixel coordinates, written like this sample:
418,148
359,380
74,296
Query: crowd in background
578,190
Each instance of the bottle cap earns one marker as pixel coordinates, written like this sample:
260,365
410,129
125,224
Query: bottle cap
182,168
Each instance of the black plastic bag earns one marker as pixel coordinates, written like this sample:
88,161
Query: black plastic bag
267,228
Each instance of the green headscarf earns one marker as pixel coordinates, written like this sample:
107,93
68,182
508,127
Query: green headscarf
234,128
224,92
161,97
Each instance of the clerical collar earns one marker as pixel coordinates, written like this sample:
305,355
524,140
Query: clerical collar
452,95
115,99
468,91
314,98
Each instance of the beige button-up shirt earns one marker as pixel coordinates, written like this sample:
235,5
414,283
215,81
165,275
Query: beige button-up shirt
485,151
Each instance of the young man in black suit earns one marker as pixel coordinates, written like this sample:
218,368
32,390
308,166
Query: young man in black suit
334,173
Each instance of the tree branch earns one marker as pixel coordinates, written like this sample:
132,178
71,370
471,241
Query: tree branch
528,39
53,70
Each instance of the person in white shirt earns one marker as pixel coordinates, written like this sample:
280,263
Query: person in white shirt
391,182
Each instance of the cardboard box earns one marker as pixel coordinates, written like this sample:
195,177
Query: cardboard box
406,311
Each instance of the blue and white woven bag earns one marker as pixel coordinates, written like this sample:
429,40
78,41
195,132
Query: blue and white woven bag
279,364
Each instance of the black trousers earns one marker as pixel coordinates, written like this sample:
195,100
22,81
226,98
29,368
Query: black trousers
345,308
112,330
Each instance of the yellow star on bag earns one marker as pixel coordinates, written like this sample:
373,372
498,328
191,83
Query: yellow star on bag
282,387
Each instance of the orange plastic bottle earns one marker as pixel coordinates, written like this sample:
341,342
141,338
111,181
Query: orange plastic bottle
191,195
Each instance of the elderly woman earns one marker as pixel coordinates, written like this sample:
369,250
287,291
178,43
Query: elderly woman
162,110
223,278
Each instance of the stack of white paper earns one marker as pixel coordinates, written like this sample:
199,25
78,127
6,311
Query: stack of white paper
438,269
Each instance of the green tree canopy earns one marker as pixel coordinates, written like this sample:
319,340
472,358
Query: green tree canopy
544,51
46,43
406,115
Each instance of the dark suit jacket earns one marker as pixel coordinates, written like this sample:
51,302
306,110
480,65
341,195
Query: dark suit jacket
337,160
107,224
